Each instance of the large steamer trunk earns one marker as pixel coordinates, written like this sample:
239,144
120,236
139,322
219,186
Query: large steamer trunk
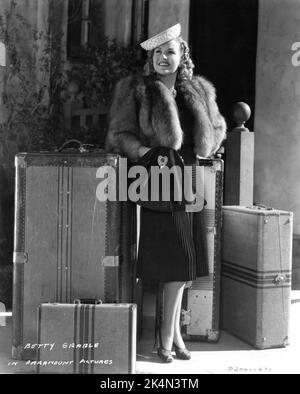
200,314
256,275
68,243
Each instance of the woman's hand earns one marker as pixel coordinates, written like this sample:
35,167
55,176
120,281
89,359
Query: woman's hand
143,150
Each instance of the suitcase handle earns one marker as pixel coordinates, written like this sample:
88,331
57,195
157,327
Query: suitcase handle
87,301
260,206
81,148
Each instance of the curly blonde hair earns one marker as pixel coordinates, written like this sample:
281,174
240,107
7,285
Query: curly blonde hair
186,66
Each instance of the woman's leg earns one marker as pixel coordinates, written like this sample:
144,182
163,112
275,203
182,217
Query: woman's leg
172,295
177,331
177,334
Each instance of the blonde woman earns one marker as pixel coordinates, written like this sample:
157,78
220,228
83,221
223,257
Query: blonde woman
167,107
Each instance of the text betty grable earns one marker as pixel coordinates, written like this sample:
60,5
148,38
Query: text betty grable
65,345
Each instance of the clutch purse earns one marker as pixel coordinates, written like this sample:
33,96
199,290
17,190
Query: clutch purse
164,182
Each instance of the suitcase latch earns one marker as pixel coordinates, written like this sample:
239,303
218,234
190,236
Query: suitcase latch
110,261
211,230
20,257
212,335
185,317
279,278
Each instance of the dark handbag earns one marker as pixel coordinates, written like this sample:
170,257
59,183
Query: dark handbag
162,188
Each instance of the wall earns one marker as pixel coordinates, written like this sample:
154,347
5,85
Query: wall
4,7
277,116
165,13
36,14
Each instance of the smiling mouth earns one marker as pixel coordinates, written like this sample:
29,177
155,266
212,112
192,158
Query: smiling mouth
163,64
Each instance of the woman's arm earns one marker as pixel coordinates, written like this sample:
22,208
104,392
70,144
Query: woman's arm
216,120
219,126
123,131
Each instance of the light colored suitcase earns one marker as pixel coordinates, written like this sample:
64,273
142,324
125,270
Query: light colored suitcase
256,274
68,244
86,339
200,313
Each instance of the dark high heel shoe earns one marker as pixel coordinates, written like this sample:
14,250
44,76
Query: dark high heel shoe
182,353
165,355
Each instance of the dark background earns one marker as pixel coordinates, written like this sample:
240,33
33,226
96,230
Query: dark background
223,40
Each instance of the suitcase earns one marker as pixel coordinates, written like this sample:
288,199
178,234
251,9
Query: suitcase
200,307
86,339
256,274
68,244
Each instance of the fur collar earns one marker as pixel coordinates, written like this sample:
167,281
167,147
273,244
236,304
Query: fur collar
165,119
144,112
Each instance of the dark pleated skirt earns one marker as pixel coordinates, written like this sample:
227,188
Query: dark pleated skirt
171,247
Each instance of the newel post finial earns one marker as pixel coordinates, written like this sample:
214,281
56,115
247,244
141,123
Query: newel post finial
241,114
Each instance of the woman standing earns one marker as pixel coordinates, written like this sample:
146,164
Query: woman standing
167,107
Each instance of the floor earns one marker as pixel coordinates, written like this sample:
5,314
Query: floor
228,356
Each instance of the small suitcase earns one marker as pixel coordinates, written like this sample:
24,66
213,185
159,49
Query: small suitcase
68,243
200,309
256,274
86,339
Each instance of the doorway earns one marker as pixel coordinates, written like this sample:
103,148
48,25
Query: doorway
223,40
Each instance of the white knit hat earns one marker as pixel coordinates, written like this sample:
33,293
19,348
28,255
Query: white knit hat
161,38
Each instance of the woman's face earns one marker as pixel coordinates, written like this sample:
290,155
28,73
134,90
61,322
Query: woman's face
166,58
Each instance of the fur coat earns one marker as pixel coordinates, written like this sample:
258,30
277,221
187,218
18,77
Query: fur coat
143,112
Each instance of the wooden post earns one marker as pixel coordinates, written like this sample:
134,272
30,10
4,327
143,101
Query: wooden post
239,160
138,21
85,22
